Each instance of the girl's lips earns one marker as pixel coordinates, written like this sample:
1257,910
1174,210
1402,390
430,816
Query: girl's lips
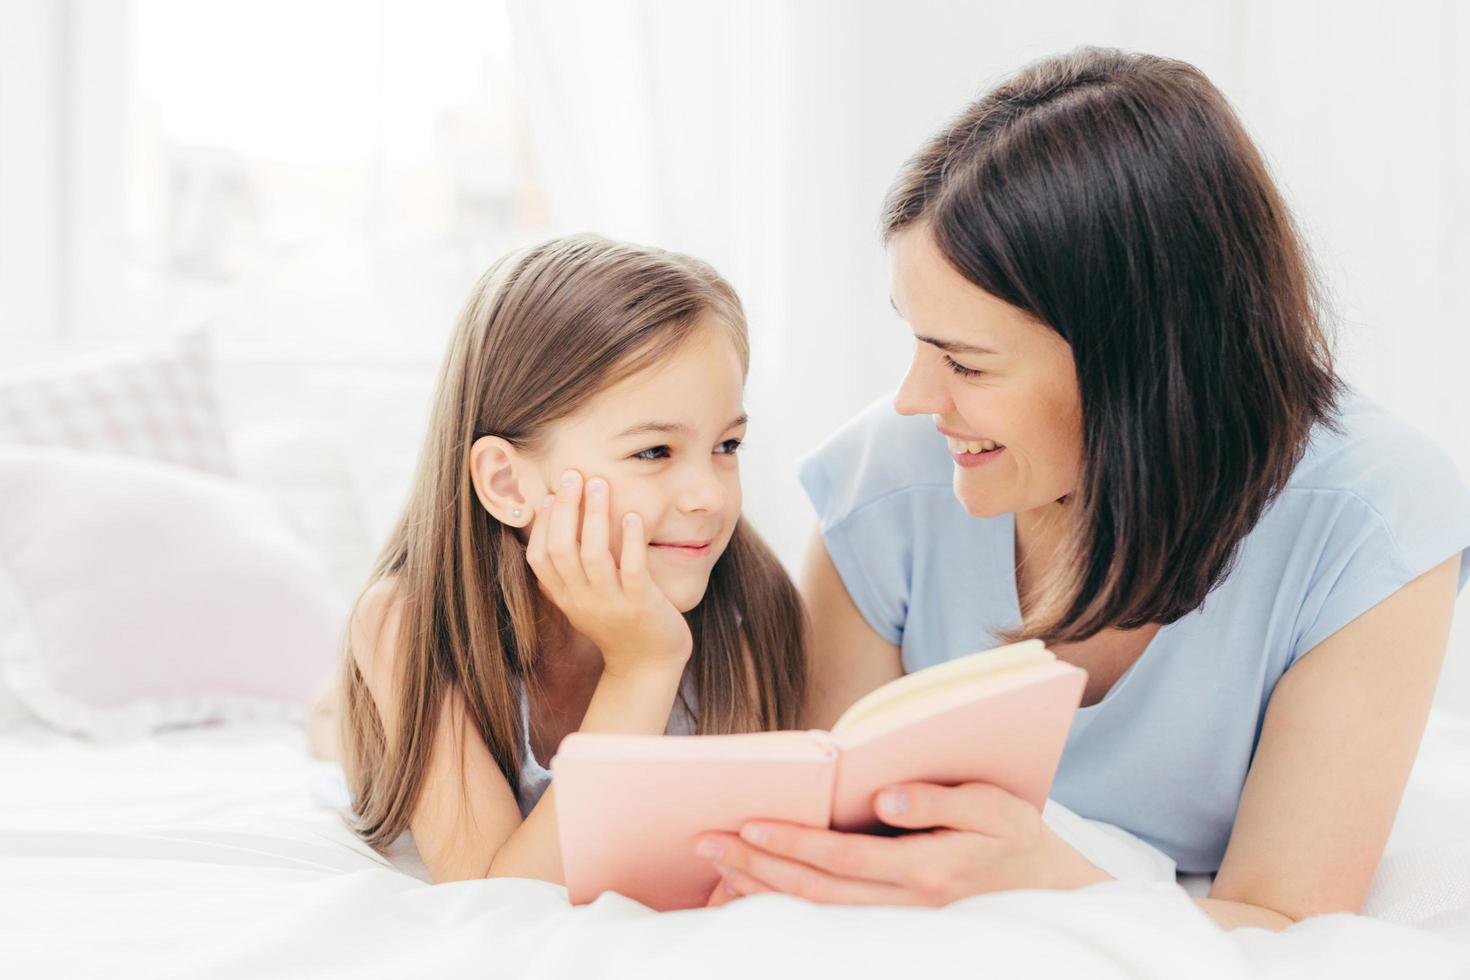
688,549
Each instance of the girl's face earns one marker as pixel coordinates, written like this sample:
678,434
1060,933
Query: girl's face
665,441
989,375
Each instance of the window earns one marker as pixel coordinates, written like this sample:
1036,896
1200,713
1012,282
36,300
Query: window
293,173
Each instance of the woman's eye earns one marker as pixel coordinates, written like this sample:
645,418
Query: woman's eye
728,447
960,369
653,454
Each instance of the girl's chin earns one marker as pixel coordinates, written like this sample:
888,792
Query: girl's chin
685,595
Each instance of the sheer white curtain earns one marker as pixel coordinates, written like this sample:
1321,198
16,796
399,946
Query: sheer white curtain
725,130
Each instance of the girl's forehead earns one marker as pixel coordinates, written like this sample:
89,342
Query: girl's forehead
699,386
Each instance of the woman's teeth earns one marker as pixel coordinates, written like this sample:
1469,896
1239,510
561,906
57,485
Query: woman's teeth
961,446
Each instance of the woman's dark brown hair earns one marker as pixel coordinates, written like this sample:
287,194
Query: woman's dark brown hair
1117,199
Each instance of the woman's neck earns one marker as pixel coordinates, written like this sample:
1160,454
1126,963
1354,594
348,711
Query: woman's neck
1040,534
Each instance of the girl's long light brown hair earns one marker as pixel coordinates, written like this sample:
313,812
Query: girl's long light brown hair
543,331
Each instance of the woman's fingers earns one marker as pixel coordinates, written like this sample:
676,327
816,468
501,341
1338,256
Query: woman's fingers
561,536
536,555
596,554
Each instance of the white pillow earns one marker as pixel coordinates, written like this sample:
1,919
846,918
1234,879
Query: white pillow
155,402
1424,877
303,468
137,595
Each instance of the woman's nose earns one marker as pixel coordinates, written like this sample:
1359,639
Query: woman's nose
922,393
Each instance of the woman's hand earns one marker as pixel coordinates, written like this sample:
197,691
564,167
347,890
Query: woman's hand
983,839
616,606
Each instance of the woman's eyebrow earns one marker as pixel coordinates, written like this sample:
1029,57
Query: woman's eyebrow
950,347
643,428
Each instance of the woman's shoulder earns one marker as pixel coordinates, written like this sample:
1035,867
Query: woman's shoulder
874,455
1381,460
1374,504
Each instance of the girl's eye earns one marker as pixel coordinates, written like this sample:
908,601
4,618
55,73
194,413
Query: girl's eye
960,369
653,454
728,447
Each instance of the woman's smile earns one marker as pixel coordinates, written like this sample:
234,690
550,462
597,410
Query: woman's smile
969,460
970,451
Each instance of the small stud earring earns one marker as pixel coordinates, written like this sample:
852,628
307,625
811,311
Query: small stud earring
516,514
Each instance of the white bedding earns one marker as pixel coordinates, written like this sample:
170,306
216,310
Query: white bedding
200,853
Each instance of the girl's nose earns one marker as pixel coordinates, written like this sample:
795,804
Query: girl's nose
702,490
923,392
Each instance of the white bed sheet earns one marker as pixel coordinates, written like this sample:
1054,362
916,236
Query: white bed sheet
199,853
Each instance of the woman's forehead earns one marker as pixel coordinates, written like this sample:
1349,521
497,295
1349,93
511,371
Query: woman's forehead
940,304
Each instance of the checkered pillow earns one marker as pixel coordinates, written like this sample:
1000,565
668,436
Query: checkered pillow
158,405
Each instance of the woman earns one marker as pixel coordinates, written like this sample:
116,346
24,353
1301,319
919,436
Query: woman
1121,432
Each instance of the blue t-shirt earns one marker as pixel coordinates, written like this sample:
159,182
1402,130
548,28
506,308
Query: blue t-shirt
1165,753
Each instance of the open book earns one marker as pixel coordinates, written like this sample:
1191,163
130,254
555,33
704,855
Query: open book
630,806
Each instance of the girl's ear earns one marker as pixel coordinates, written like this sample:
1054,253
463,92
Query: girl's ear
504,480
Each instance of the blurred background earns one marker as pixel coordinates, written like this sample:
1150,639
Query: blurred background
311,188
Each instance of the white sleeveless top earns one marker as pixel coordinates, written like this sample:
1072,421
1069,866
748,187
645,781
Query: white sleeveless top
535,777
333,790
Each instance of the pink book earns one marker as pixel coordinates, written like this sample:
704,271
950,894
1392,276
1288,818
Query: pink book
630,806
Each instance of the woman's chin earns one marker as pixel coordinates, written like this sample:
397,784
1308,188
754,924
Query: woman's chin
978,504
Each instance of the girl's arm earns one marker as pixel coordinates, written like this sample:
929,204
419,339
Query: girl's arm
637,704
645,643
847,658
467,823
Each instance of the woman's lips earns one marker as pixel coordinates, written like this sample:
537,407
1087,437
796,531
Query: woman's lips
971,460
968,451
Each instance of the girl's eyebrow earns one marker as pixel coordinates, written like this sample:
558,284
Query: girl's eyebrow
664,427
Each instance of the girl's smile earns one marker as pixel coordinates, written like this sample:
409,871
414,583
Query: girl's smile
682,549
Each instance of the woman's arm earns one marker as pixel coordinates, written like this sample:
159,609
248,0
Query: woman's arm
1341,733
846,657
1340,736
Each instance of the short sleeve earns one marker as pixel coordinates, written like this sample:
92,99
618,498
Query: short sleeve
865,555
863,483
1408,512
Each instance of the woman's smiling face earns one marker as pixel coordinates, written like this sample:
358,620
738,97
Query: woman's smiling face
989,374
665,440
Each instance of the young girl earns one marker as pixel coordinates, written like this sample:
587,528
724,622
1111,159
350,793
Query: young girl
572,557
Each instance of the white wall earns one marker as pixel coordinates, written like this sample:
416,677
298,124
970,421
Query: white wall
1360,108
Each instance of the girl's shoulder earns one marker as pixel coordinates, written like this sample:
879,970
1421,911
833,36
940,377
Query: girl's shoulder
373,638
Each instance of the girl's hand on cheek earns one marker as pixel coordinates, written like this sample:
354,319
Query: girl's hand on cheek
616,606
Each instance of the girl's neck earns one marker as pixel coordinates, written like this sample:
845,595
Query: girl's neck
565,654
